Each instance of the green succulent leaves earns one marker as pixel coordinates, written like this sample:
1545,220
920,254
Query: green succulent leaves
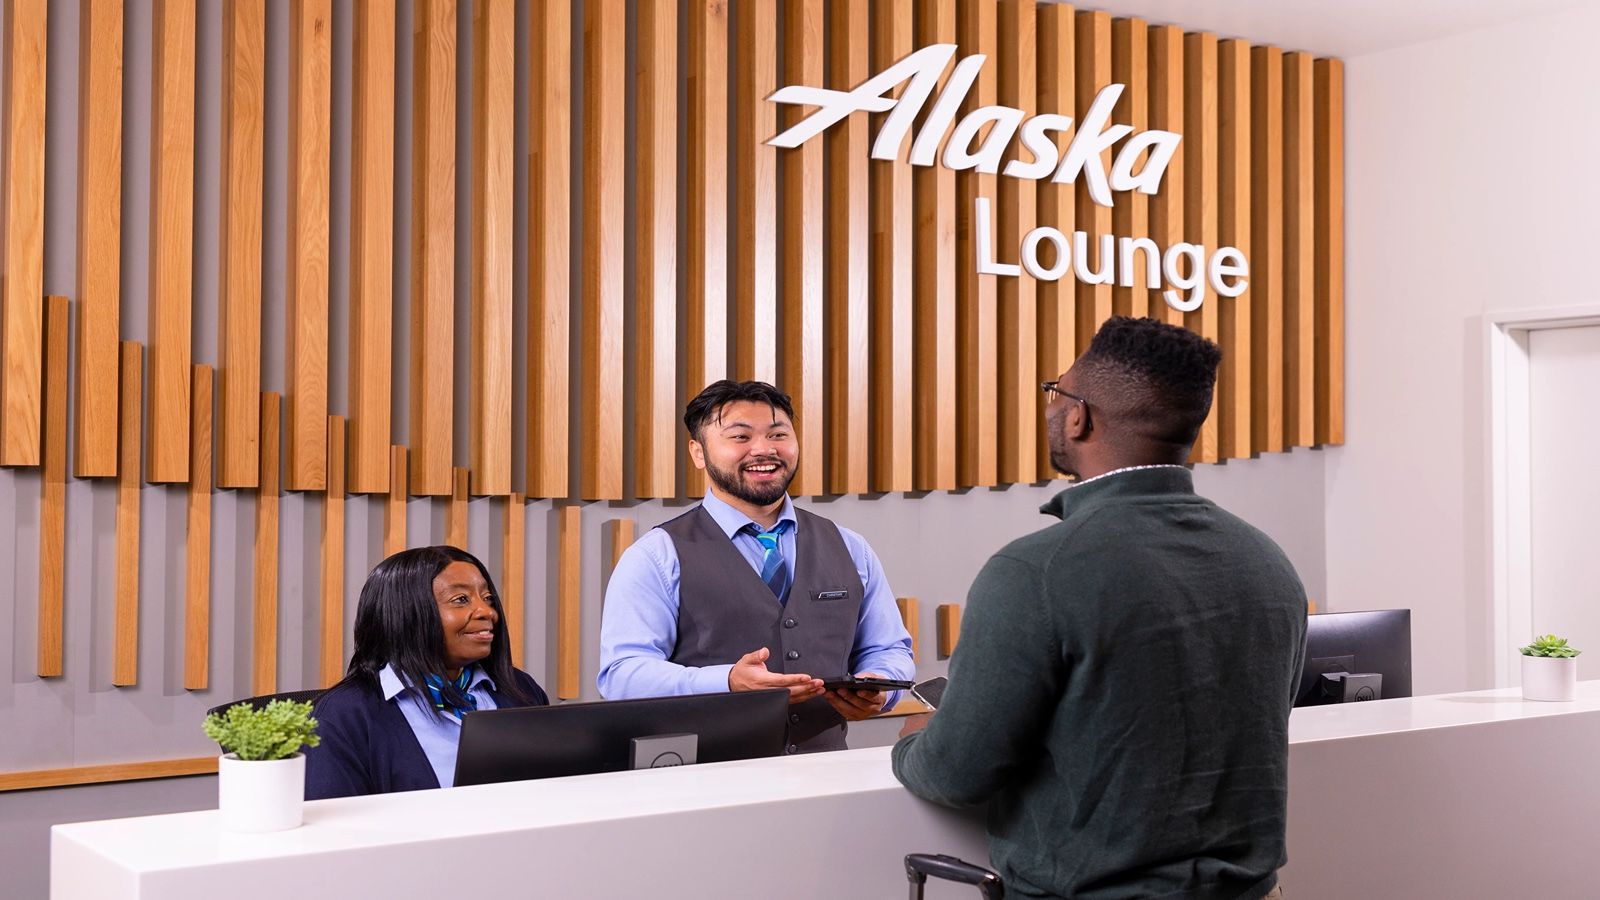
276,731
1551,647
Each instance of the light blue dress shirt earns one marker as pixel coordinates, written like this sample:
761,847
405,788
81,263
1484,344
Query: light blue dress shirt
639,627
439,737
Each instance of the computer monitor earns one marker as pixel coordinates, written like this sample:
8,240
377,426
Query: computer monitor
585,738
1377,642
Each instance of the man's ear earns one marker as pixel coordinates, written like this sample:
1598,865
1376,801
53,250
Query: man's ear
697,454
1077,424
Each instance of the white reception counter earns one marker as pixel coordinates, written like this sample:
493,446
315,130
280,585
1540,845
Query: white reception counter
1463,795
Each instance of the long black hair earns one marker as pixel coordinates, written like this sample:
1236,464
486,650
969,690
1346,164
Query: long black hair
397,624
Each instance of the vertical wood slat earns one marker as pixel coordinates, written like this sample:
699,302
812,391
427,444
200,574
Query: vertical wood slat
53,490
1093,61
755,166
125,641
948,618
1167,114
240,232
976,323
1200,197
620,533
705,308
1057,206
494,98
801,363
513,576
1266,249
1130,217
22,230
909,618
1329,239
934,306
890,274
1017,302
264,630
433,240
569,600
1234,324
655,315
604,172
305,423
171,239
197,573
394,506
99,245
369,375
549,254
455,523
1299,254
331,592
847,152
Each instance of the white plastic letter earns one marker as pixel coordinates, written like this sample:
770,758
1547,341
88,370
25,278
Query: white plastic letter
1152,261
1036,137
1030,253
1162,145
958,153
1093,139
1194,282
1108,258
922,67
944,110
1229,262
986,263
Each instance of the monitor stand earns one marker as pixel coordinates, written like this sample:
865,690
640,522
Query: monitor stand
659,751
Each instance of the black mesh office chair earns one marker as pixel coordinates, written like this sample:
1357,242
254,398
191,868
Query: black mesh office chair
264,699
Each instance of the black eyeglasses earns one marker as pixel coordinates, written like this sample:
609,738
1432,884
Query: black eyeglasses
1049,387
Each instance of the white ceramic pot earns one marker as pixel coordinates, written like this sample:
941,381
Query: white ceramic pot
257,795
1544,678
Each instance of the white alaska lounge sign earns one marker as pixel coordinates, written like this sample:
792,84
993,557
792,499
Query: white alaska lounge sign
1186,267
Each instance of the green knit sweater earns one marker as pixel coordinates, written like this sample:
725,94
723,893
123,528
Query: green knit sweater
1120,698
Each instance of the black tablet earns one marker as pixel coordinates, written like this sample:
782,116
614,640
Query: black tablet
866,684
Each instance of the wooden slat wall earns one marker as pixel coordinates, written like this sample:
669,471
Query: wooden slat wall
371,247
705,307
1130,217
430,441
513,573
1299,263
1200,196
22,231
394,506
620,533
655,305
331,584
99,242
1093,61
171,239
948,619
569,600
1057,206
239,324
910,619
934,309
1017,302
125,640
976,322
494,90
801,252
197,557
549,253
890,274
455,520
1266,244
264,625
755,166
604,172
1328,202
1166,113
53,491
849,219
305,425
1234,323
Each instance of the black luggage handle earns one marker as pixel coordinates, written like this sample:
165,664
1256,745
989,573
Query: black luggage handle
920,865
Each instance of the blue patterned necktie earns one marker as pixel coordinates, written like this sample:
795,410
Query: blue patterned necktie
773,570
436,693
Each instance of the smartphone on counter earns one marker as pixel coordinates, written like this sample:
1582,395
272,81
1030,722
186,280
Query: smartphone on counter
930,692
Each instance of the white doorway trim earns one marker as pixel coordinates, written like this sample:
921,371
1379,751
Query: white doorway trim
1510,477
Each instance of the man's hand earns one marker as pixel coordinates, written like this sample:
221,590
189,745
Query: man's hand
856,705
914,724
750,674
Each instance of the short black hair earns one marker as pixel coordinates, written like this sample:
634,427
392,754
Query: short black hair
397,624
708,404
1156,378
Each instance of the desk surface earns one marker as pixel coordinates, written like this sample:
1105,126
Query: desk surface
1349,720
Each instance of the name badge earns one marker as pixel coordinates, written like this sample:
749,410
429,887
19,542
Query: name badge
833,595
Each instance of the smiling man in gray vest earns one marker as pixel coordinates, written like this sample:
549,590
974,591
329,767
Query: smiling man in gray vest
745,591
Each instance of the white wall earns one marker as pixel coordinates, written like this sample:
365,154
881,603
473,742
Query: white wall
1469,190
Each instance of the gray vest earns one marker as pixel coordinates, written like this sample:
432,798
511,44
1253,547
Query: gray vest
725,610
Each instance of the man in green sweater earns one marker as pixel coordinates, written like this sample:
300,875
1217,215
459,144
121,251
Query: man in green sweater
1120,696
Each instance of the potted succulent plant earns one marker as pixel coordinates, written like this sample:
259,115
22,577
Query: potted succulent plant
1549,669
261,780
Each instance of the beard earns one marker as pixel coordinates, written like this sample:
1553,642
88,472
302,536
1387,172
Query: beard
733,482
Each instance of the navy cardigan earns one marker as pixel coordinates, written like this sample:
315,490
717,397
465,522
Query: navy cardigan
368,747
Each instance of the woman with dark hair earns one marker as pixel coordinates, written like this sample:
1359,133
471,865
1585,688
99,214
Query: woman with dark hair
428,651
